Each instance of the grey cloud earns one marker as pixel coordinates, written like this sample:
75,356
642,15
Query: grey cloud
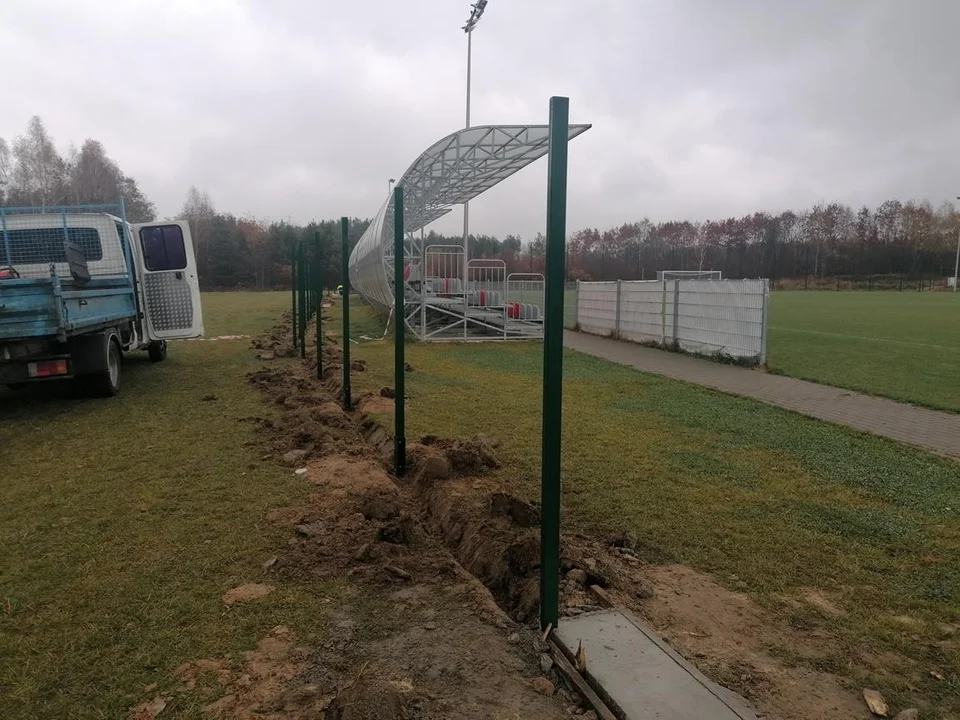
700,108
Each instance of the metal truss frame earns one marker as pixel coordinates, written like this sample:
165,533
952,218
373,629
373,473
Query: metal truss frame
452,171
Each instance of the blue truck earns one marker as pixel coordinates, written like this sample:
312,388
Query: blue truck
80,286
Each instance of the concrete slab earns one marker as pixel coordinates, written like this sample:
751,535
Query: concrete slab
640,676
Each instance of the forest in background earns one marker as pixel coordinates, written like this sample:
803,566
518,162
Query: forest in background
902,245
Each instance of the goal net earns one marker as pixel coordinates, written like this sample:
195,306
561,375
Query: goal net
689,275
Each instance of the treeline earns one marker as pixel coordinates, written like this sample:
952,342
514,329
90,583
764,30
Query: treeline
894,245
34,173
247,253
894,242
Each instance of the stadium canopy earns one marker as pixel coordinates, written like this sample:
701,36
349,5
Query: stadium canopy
452,171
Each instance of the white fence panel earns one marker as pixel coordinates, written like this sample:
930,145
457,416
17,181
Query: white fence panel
721,316
641,310
726,317
597,308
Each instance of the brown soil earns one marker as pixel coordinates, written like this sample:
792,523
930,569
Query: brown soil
246,592
375,404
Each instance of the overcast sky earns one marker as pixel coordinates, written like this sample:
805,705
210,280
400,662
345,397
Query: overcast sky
303,109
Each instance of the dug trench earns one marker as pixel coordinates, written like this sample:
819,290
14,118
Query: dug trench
456,500
410,634
439,574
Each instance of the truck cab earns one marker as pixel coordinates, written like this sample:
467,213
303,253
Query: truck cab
80,286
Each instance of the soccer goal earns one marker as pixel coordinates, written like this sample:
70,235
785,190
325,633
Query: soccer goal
689,275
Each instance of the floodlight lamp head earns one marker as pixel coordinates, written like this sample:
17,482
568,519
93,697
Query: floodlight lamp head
477,10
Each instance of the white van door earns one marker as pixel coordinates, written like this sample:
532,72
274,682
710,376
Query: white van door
170,289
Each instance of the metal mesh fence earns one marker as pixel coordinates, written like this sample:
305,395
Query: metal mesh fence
714,317
33,240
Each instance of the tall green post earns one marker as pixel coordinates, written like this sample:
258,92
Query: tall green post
308,282
345,281
293,299
318,290
302,300
553,362
399,430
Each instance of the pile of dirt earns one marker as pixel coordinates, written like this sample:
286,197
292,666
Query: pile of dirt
375,404
310,424
371,697
466,457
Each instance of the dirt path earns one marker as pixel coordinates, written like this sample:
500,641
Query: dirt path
932,430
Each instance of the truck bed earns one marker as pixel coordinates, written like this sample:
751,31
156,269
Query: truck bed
52,307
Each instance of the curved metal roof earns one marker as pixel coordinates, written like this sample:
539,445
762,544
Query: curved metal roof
452,171
468,162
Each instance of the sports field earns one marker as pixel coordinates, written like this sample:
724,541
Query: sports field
901,345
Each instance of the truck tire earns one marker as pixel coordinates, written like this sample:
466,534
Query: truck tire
157,350
107,382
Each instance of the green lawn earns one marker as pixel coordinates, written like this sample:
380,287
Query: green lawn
726,485
123,521
904,345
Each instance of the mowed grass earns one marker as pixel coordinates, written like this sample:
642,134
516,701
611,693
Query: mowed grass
745,491
903,345
123,521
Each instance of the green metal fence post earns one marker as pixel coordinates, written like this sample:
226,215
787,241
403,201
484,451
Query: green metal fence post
318,290
308,282
345,281
293,294
399,431
302,274
553,362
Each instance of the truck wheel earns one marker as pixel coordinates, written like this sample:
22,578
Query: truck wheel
107,383
157,350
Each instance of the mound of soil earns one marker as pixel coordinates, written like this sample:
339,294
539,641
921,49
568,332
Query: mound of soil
466,457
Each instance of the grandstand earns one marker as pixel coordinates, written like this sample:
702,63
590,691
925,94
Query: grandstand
448,295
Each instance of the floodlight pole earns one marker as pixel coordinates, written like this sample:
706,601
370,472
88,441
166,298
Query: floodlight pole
476,12
466,205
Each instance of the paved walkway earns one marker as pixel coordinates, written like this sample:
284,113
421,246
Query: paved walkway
936,431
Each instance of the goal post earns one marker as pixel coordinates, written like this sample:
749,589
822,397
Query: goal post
689,275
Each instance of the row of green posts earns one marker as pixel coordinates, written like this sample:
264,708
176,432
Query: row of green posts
307,276
306,283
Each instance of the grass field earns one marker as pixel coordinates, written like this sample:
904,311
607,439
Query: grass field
902,345
123,521
740,489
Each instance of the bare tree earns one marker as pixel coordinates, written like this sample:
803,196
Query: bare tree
39,173
94,177
199,211
5,169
